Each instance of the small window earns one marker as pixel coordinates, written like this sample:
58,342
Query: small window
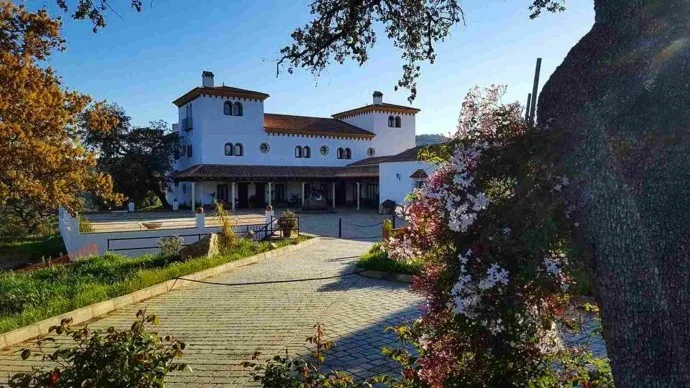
239,111
323,150
227,108
348,153
391,121
398,122
306,152
189,150
239,149
264,148
183,150
341,153
229,149
298,152
371,152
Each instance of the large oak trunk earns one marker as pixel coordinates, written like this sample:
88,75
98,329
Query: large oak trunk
618,112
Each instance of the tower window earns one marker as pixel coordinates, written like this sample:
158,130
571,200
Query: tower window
227,108
306,152
391,121
264,148
324,150
341,153
239,111
229,149
298,152
398,122
348,153
371,152
239,149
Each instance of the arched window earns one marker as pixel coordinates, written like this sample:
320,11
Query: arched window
227,108
239,111
229,149
398,122
307,152
348,153
239,149
298,152
341,153
189,150
391,121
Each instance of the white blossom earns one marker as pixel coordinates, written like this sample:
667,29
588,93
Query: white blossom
494,275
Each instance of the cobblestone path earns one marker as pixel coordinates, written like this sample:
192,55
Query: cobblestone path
224,325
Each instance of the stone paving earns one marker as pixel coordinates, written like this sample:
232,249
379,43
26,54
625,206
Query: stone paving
224,325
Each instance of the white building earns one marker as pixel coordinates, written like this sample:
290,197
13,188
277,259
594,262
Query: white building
234,152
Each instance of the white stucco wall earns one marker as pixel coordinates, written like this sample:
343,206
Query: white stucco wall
394,179
388,140
212,129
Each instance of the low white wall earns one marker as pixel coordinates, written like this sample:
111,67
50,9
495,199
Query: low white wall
131,243
394,179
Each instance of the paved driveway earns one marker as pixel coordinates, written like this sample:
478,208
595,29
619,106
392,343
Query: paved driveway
224,325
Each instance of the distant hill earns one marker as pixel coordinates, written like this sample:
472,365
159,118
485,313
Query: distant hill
430,139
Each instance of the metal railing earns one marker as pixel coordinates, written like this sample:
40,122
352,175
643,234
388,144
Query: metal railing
393,219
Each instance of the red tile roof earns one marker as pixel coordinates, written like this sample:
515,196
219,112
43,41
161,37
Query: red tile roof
222,91
383,107
305,125
252,172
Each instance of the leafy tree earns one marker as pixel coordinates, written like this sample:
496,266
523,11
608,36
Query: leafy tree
344,29
138,158
42,163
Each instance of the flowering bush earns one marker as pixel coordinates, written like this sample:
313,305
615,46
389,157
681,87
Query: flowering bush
492,230
135,357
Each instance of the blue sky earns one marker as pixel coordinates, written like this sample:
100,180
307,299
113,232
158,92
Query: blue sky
144,61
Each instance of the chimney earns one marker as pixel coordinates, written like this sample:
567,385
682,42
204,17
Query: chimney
207,79
378,98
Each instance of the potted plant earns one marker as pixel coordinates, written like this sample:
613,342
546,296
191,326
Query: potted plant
287,222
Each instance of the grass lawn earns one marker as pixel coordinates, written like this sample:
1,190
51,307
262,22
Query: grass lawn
18,252
377,260
30,297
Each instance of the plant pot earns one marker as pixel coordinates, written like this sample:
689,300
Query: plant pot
287,232
152,225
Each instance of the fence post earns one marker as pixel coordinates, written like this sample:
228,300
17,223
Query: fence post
340,227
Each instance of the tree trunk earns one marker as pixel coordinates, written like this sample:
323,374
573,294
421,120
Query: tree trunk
618,113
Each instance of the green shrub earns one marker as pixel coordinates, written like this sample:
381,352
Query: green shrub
227,234
376,259
170,246
85,225
112,358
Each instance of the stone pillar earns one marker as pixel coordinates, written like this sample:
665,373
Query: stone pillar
333,193
303,199
358,194
200,220
232,196
193,196
269,194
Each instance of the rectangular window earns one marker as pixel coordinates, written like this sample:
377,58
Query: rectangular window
189,150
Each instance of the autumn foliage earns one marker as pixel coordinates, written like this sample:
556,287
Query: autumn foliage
42,163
